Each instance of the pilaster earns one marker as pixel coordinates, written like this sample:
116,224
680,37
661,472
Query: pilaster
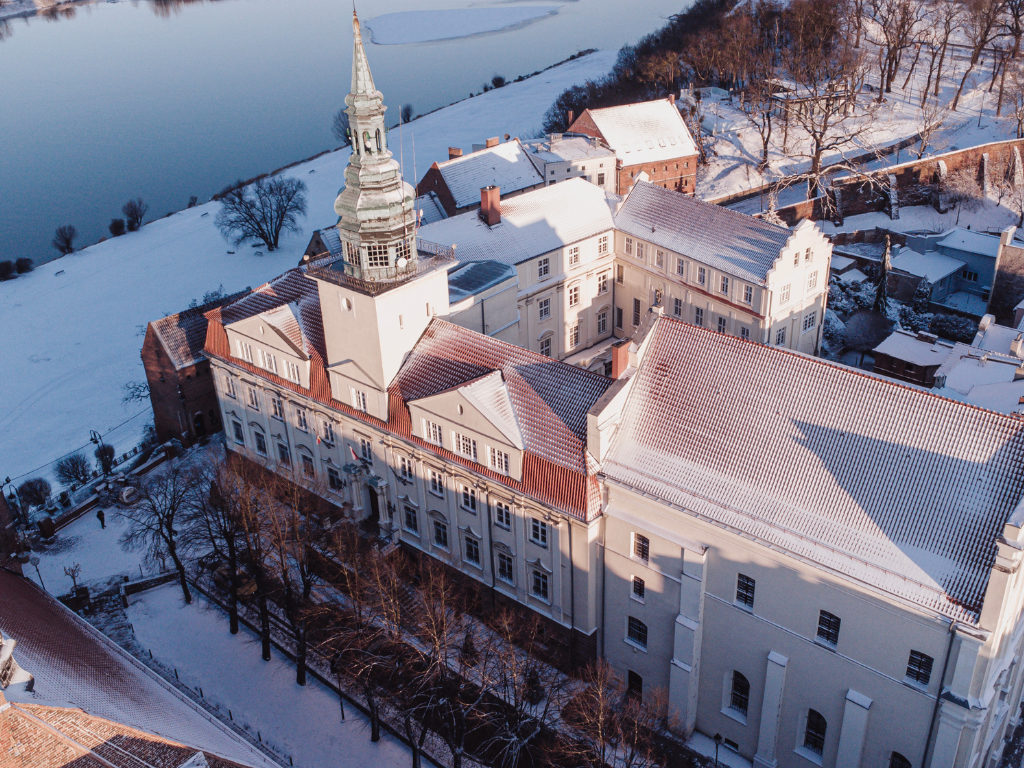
771,710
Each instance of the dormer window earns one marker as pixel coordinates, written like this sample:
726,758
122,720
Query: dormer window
359,400
432,433
499,460
292,372
267,361
464,445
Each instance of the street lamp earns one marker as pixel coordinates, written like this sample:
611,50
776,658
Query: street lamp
13,502
35,561
97,439
718,743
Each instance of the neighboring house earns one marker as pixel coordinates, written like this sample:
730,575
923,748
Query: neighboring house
821,566
985,379
965,289
180,389
911,357
563,156
939,271
650,137
71,697
457,181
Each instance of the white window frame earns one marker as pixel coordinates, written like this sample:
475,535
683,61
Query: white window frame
538,578
539,532
574,255
810,321
464,445
358,399
503,515
301,421
543,309
499,460
506,569
574,295
437,483
467,498
543,268
433,433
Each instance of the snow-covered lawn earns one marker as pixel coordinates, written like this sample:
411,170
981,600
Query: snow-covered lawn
426,26
71,329
301,722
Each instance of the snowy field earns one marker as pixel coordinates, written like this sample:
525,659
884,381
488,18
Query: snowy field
427,26
301,722
73,328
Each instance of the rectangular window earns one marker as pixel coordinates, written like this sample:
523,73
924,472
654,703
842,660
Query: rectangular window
641,547
680,267
969,275
544,309
602,242
307,466
327,432
639,588
780,337
276,407
254,400
602,283
814,734
828,627
677,307
810,321
812,279
239,434
600,179
412,520
919,668
376,256
748,295
437,483
432,433
405,468
366,449
464,445
300,420
506,568
271,363
402,250
721,325
574,336
244,351
634,685
293,372
284,455
698,316
261,443
702,275
784,294
629,246
574,296
469,498
636,311
659,259
539,532
229,387
745,590
602,323
545,346
543,268
745,333
359,400
334,479
807,255
618,317
502,515
472,551
441,534
620,274
725,285
539,585
796,258
498,460
574,256
637,632
641,250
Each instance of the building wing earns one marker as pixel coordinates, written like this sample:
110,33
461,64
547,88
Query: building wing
648,132
183,334
506,166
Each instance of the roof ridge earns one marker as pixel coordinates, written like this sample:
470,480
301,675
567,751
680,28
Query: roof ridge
697,202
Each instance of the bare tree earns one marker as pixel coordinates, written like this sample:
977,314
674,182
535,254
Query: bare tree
407,111
340,127
1012,194
34,492
261,211
135,392
64,239
73,571
1015,96
104,454
946,20
933,118
134,211
980,25
898,22
961,189
73,469
253,491
1013,25
156,520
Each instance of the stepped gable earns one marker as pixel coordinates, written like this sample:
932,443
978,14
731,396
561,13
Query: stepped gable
718,237
184,333
883,483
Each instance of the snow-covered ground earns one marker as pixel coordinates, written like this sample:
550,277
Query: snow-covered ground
301,722
72,329
427,26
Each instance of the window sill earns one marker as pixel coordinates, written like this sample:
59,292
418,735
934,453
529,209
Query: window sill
911,683
636,599
436,495
538,544
279,418
635,646
478,566
825,644
735,714
467,509
808,755
411,532
441,547
540,599
744,607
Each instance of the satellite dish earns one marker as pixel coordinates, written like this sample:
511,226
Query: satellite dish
402,262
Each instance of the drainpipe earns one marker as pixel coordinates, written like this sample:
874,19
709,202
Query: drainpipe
938,699
572,602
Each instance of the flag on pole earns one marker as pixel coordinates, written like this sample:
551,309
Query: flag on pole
353,452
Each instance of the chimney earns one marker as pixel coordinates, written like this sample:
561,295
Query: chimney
672,99
493,142
1019,373
1016,345
620,357
490,205
454,152
568,119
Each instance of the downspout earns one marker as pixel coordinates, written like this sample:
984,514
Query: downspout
938,698
572,603
490,551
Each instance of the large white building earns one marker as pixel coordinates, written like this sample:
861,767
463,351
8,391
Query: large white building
821,565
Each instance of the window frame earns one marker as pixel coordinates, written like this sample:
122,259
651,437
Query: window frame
467,498
639,589
640,547
440,529
920,665
410,519
506,570
539,532
538,578
746,591
503,515
437,484
543,268
637,632
472,544
829,626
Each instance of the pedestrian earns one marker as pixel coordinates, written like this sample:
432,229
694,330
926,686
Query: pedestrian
102,518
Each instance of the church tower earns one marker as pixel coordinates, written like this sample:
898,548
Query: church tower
377,224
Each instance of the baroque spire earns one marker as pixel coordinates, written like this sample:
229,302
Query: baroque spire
362,78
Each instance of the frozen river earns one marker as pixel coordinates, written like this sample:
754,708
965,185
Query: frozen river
168,99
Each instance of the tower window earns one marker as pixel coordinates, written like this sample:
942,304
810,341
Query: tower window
380,145
377,256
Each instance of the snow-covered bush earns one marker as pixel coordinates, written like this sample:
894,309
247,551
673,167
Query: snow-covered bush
834,333
954,328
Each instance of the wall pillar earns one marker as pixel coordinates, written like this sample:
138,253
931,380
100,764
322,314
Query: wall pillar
771,710
854,728
684,672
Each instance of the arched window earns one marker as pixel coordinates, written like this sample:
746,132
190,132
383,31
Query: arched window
636,631
740,697
366,142
380,147
896,760
814,733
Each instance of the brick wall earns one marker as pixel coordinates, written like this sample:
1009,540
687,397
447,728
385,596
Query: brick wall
679,174
433,181
178,396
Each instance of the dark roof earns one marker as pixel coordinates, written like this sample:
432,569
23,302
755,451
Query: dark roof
184,333
884,483
477,276
723,239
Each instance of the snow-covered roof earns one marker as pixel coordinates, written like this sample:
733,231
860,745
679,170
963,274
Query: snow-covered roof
78,668
184,333
931,265
506,166
725,240
560,148
840,263
430,208
886,484
1003,397
331,240
971,242
648,132
532,224
852,276
997,338
906,346
490,395
967,367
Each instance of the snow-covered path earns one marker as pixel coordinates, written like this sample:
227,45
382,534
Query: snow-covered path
301,722
71,330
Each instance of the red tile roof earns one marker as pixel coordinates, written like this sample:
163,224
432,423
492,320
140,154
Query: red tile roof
889,485
184,333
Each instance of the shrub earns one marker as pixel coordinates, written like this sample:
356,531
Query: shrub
193,199
105,456
117,227
73,469
64,239
34,492
133,211
6,270
954,328
23,265
498,81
